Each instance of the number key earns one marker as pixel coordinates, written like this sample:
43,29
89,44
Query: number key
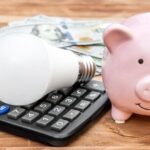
43,107
79,92
30,117
60,125
82,105
45,120
68,101
54,98
16,113
93,96
57,110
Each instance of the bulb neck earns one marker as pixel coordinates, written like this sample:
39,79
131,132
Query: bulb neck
87,69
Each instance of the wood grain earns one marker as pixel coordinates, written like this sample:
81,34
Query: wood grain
102,133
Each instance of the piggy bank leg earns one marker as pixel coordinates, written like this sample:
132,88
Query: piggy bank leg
119,116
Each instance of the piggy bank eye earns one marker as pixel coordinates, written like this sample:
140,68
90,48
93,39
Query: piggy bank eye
140,61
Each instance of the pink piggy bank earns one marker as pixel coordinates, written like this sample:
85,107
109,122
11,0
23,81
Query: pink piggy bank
126,69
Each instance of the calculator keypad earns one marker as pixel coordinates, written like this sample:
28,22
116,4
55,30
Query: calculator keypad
59,115
58,110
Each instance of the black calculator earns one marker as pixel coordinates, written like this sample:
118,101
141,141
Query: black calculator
57,117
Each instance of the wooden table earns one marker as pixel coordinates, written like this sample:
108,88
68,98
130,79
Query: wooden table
102,133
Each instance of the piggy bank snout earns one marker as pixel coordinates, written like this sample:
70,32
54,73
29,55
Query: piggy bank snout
143,89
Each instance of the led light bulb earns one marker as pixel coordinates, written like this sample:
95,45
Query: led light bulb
30,68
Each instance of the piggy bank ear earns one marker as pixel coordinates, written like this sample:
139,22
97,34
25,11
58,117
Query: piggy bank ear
115,35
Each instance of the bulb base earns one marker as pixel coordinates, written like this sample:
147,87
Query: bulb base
87,69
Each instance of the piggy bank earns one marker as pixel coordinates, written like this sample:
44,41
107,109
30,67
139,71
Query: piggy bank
126,68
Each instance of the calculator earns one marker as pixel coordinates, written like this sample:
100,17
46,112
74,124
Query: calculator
59,116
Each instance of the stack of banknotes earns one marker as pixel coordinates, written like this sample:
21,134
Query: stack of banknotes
83,37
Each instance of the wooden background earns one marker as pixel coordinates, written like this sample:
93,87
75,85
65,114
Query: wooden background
102,133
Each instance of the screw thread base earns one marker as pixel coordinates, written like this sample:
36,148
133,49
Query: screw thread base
87,69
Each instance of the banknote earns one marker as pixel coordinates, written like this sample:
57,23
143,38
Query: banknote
66,30
83,37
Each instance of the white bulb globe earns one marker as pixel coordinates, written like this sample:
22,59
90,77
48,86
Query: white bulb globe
31,68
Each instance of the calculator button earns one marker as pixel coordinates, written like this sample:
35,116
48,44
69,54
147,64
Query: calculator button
54,98
68,101
4,109
43,107
29,106
57,110
30,116
16,113
82,105
65,91
71,115
94,85
79,92
60,125
92,96
45,120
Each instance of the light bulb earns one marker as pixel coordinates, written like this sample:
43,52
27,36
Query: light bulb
30,68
